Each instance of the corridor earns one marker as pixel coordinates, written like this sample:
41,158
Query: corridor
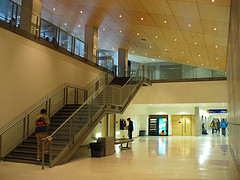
204,157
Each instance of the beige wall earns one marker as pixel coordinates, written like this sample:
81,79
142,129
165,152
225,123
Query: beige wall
183,92
29,71
233,70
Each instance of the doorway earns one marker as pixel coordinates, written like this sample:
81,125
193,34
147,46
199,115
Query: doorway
183,125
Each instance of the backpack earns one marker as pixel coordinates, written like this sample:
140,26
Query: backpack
41,125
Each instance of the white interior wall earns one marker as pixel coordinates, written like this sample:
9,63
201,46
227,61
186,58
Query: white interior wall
29,71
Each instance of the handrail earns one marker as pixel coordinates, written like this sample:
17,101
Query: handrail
54,25
19,119
75,112
98,79
132,75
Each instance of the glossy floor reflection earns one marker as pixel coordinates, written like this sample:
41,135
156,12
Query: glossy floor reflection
203,157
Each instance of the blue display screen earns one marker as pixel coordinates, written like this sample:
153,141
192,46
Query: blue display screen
162,126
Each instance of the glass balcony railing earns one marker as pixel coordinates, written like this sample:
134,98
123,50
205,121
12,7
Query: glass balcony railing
20,18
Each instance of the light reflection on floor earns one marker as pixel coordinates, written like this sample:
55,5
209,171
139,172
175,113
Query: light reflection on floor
205,157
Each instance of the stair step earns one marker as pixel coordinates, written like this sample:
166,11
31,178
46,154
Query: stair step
25,160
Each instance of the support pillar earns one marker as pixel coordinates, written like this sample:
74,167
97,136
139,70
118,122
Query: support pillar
28,20
122,62
198,123
91,46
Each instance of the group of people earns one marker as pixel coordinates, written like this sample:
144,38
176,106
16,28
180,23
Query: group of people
216,126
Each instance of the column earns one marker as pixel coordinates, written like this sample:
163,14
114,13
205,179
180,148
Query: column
122,62
91,40
30,9
198,123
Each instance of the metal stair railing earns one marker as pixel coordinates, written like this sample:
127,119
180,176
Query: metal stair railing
121,95
21,127
86,114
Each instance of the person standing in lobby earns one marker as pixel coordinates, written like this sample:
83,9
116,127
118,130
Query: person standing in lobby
223,125
212,125
130,128
218,125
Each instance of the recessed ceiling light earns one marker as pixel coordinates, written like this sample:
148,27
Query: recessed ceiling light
215,29
156,37
98,38
146,54
54,9
213,0
120,15
104,29
138,34
175,39
187,61
132,51
159,56
199,55
120,31
65,24
216,46
81,12
150,46
216,58
195,43
79,25
189,25
217,67
165,49
202,64
165,22
142,19
182,52
173,59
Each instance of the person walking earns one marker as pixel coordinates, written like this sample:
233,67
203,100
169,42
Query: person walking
42,127
212,125
218,125
130,128
223,125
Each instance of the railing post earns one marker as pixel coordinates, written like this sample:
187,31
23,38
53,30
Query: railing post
16,15
28,125
66,94
0,146
50,154
49,107
24,128
73,136
85,95
36,28
43,148
70,130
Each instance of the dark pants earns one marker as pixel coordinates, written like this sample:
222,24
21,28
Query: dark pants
130,134
224,131
212,130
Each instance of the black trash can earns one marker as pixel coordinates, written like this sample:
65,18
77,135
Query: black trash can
142,133
97,149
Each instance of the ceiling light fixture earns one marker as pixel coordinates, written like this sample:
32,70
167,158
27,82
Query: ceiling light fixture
216,58
120,31
132,51
150,46
182,52
175,40
189,25
120,15
173,59
217,67
79,25
215,29
156,37
146,54
54,9
142,19
104,29
65,24
213,0
202,64
195,43
138,34
165,22
159,56
112,48
166,49
187,61
81,12
199,55
216,46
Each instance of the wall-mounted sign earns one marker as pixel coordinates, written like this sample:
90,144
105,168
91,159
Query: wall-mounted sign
217,111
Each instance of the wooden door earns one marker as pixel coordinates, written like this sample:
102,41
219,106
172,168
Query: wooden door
183,125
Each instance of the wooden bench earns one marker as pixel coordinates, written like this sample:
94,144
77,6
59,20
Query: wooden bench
122,141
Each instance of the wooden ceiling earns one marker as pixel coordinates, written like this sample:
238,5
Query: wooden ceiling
191,32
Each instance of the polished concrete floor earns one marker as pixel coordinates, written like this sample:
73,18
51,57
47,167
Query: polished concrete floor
205,157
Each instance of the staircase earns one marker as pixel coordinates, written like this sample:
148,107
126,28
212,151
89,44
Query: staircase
71,125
